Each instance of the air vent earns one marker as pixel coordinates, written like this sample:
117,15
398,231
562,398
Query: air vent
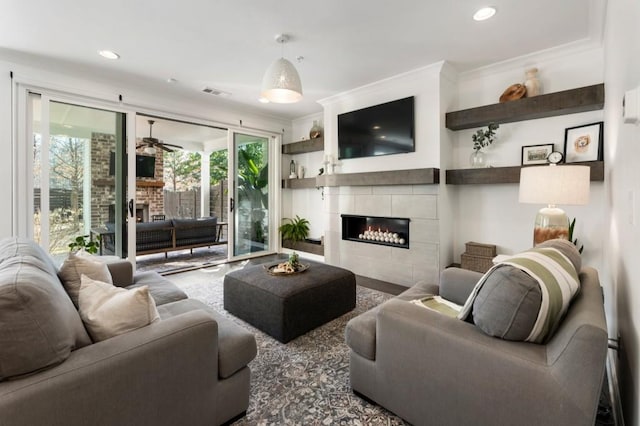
215,92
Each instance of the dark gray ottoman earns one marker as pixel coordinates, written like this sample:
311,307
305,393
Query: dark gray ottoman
286,307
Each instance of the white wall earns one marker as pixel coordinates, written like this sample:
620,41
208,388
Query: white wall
491,213
424,85
622,226
304,202
142,96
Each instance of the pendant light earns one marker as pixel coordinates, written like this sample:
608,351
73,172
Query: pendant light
281,83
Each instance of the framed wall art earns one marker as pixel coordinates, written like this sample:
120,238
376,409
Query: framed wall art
583,143
536,154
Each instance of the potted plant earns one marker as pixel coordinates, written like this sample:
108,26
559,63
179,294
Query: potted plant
294,230
482,139
572,226
82,242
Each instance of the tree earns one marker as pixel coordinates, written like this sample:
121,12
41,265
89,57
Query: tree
67,169
218,166
182,170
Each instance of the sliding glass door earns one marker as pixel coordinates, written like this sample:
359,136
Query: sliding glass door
251,199
79,175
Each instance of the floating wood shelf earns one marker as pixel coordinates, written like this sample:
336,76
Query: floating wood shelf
300,147
395,177
299,183
491,175
583,99
304,246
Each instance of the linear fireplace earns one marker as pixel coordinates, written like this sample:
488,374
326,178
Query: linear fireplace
387,231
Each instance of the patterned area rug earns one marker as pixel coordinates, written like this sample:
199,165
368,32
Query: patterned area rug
306,381
182,259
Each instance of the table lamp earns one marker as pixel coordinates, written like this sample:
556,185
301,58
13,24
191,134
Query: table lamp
553,185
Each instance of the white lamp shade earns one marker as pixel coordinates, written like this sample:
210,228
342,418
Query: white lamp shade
555,185
281,83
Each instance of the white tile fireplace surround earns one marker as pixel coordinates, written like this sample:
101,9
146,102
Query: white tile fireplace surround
397,265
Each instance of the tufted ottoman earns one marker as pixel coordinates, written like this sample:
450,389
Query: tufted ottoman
287,306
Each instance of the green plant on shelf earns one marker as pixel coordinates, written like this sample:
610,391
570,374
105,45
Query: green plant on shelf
484,137
295,229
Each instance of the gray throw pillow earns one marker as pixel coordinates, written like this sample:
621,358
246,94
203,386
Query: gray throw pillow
508,303
39,326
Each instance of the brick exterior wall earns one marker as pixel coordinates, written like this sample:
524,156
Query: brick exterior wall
150,194
149,191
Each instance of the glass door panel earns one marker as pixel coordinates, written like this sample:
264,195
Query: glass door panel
250,201
79,170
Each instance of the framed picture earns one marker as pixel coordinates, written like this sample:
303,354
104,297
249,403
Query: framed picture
583,143
536,154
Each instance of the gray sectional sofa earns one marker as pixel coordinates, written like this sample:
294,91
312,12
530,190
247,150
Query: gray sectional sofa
429,368
188,368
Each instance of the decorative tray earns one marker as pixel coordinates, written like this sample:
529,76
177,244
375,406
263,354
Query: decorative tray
272,271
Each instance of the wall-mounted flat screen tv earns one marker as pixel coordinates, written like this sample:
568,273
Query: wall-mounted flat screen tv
145,165
377,130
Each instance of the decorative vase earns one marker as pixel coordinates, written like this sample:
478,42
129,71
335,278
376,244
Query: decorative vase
316,130
534,88
300,171
292,170
477,159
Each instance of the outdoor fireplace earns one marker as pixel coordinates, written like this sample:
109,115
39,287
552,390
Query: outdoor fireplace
386,231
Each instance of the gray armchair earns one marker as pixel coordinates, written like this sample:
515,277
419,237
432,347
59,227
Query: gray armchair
432,369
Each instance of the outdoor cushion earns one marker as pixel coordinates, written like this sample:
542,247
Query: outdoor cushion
194,231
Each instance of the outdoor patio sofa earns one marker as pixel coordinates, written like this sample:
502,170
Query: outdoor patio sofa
168,235
190,367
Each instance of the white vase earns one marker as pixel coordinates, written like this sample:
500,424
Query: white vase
316,130
534,88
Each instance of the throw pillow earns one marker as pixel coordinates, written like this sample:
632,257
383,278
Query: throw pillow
108,311
76,265
525,297
508,304
39,327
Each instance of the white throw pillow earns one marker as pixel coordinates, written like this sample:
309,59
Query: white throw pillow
108,311
76,265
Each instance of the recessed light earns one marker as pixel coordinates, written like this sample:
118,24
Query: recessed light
484,13
376,127
263,100
109,54
171,80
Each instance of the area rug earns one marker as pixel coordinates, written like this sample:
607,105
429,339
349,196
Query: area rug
182,259
303,382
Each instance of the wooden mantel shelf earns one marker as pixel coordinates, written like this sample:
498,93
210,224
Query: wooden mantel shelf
491,175
139,183
583,99
426,176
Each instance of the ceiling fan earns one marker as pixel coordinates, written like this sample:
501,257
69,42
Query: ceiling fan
152,142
